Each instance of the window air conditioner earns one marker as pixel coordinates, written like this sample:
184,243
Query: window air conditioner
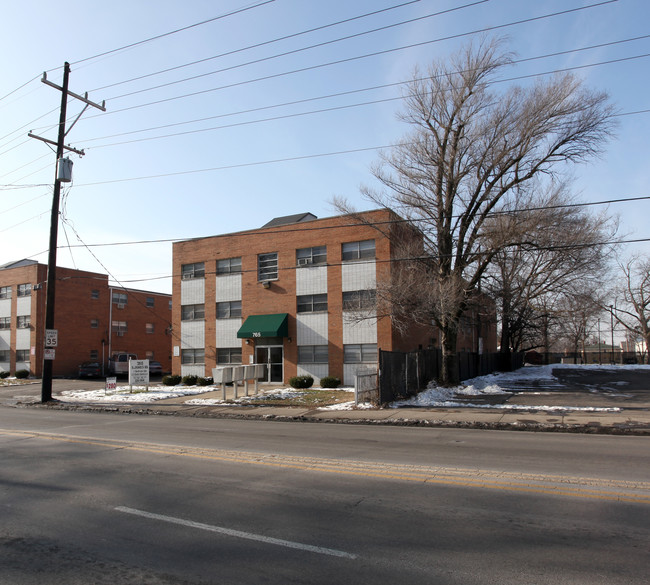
119,333
304,261
120,305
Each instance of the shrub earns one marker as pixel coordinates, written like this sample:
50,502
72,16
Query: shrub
171,380
329,382
301,382
22,373
205,381
190,380
4,374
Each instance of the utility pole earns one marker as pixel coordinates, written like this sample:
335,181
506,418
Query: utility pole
46,385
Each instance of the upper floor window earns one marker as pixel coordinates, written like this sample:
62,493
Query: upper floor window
149,328
119,298
150,301
358,250
228,265
5,292
119,327
308,256
24,290
356,300
228,309
94,323
5,322
192,312
312,303
23,321
94,294
267,266
196,270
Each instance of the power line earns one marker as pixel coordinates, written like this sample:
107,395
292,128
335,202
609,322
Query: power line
173,32
257,45
365,56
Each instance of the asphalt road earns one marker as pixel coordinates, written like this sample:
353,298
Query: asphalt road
105,498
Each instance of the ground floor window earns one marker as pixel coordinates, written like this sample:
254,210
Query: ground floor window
228,355
22,355
4,355
358,353
313,354
192,356
94,354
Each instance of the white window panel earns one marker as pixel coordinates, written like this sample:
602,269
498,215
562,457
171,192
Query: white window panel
5,339
228,288
192,334
22,338
24,306
359,276
227,333
193,291
311,328
316,371
5,307
359,330
311,280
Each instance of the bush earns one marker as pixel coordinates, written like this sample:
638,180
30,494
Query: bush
190,380
22,373
171,380
301,382
4,374
329,382
205,381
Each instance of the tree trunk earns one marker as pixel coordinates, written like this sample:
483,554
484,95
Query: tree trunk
449,375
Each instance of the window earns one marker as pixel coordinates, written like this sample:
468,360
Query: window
23,321
192,356
196,270
308,256
5,292
22,355
119,298
357,300
94,354
228,309
94,323
4,355
360,353
94,294
192,312
228,265
313,354
170,304
228,355
148,327
358,250
5,322
150,301
119,327
312,303
148,355
24,290
267,266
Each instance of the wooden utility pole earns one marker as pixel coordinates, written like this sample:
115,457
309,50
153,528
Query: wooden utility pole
46,385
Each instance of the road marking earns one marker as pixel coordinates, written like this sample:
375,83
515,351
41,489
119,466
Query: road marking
238,533
560,485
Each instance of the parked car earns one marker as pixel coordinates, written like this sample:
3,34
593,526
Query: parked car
155,368
90,370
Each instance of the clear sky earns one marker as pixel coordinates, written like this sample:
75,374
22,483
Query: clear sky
266,111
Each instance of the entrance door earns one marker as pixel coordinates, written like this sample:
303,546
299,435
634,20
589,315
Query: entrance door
271,355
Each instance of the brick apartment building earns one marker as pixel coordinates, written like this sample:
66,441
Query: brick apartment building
93,320
288,295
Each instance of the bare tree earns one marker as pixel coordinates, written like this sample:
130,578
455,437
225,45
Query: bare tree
634,313
561,244
471,150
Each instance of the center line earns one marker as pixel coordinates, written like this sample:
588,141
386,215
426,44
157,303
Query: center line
238,533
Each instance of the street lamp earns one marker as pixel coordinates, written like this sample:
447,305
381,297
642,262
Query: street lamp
611,313
599,342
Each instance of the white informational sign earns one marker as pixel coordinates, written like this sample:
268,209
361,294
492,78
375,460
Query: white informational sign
139,372
111,385
51,337
49,354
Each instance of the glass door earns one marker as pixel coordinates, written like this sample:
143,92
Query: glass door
272,356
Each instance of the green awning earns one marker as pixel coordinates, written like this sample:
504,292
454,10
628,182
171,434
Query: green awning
276,325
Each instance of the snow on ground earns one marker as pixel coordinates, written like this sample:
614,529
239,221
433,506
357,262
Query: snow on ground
433,397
